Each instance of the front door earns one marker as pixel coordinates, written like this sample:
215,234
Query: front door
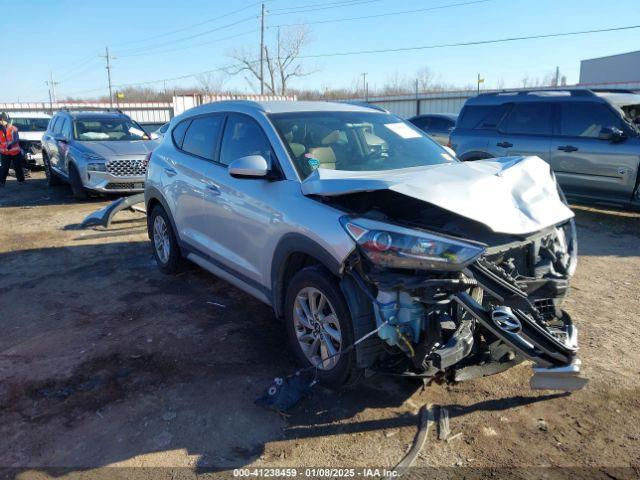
526,130
588,166
241,214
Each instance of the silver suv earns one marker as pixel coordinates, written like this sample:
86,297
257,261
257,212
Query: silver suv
379,250
98,151
591,138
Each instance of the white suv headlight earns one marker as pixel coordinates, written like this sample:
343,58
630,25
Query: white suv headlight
423,251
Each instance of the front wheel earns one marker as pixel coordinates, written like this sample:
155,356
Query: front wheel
52,179
79,192
320,328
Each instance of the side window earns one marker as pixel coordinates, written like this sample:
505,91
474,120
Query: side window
178,132
66,128
529,119
202,136
440,124
52,124
57,128
242,137
482,116
585,119
421,122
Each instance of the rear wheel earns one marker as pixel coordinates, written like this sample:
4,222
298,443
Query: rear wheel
165,244
52,179
320,328
79,192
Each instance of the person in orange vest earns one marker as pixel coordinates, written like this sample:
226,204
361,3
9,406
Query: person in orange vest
10,152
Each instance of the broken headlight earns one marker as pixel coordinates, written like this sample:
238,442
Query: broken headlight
416,250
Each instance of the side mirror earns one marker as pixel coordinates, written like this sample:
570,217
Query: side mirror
58,137
251,166
611,134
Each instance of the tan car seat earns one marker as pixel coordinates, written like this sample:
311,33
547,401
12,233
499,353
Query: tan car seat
325,156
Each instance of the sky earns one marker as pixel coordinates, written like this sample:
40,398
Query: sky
161,39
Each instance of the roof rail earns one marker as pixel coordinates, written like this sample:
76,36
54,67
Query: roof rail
365,104
575,92
612,90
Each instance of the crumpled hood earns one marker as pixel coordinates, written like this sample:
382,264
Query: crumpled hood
109,149
513,195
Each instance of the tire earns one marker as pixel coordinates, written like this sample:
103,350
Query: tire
79,192
167,255
52,179
340,370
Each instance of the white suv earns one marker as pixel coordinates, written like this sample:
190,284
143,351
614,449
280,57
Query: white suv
378,248
31,126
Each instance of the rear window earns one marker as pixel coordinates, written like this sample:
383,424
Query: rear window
529,119
482,116
201,136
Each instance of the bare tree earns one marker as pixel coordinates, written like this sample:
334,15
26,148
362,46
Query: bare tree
211,82
281,60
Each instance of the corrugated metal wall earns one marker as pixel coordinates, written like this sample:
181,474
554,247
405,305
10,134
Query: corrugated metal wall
407,106
143,112
182,103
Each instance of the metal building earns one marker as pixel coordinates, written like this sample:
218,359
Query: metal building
622,69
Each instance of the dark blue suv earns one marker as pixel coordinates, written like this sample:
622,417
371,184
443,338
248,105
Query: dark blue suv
590,138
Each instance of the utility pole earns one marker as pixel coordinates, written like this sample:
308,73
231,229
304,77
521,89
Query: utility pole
480,80
364,86
262,51
108,58
52,90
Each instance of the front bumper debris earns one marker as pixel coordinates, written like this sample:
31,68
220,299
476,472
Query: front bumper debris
566,378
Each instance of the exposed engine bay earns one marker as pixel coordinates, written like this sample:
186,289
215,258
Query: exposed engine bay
453,298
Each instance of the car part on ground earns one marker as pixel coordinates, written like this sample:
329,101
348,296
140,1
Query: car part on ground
104,216
382,252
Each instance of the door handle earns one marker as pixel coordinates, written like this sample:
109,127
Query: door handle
170,172
504,144
568,148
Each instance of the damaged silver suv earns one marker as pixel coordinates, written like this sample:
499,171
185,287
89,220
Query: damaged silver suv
380,250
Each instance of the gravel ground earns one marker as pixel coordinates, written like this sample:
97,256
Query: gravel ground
105,362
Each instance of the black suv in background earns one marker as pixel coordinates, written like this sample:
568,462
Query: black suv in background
590,138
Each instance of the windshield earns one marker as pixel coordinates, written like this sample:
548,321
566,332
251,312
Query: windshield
102,129
30,124
355,141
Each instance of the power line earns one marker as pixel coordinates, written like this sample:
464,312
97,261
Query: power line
209,42
320,6
189,27
153,47
391,50
465,44
387,14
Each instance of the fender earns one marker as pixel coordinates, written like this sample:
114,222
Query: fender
289,244
153,193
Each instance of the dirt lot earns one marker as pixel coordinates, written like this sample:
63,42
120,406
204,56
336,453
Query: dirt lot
105,362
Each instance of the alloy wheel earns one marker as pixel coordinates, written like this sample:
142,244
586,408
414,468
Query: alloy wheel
317,328
161,240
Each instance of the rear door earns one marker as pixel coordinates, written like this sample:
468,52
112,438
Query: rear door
526,130
586,165
196,141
